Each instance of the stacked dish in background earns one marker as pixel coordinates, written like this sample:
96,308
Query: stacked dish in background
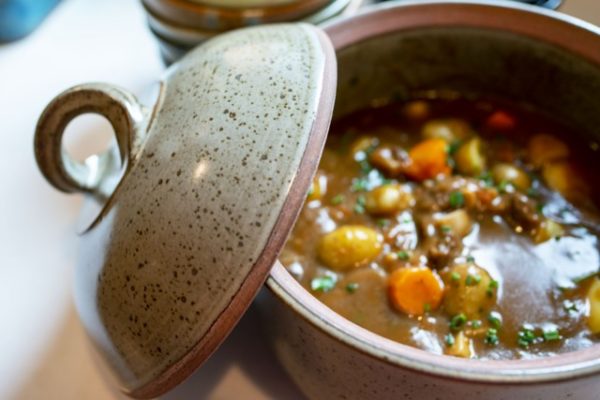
180,25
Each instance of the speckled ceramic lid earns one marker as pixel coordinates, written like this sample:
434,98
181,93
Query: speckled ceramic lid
215,175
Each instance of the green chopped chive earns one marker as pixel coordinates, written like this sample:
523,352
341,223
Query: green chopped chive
403,255
551,335
487,179
426,307
454,146
359,207
491,337
470,259
360,185
472,280
445,228
382,223
455,276
540,208
458,321
310,191
338,199
365,166
475,324
526,337
457,199
495,319
449,340
352,287
502,186
492,286
323,283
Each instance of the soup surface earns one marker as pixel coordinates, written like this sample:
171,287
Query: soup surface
462,227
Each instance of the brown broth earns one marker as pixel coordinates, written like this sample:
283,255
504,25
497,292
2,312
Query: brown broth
543,285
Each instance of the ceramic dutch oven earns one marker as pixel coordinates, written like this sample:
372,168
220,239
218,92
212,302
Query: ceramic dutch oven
203,187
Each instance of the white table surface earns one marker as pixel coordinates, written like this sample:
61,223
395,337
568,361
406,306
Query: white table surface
43,354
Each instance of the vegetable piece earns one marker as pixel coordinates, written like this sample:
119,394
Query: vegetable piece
416,110
392,160
323,283
469,158
318,188
349,246
457,222
352,287
461,346
547,230
428,159
457,199
593,297
565,179
544,148
504,174
491,337
501,121
388,199
412,290
468,295
526,336
450,130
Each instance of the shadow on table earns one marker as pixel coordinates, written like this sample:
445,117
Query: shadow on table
244,356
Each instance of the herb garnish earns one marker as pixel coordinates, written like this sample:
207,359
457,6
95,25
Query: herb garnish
457,199
352,287
323,283
338,199
458,321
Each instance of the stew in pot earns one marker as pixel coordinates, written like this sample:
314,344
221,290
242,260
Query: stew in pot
460,226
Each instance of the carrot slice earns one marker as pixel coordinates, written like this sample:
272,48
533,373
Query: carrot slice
428,159
501,121
415,290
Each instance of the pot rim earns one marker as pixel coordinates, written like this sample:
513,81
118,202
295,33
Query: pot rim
544,25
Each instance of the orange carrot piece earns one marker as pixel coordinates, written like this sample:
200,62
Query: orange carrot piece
428,159
415,290
501,121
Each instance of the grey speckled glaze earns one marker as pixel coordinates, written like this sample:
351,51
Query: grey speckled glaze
201,204
516,52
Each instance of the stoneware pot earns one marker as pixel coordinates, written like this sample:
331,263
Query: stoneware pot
520,53
188,225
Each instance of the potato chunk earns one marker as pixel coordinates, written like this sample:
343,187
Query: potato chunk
389,199
565,179
461,347
593,297
457,222
544,148
349,246
547,230
450,129
469,290
507,173
469,158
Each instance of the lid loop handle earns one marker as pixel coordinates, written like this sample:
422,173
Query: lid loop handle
99,174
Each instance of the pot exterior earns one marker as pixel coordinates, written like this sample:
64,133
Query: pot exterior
326,368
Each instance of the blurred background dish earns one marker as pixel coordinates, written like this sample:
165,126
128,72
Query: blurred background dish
176,37
194,14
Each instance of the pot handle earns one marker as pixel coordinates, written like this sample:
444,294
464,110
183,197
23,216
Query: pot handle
99,173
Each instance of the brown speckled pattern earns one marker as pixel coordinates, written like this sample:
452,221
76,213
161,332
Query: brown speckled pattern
193,214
